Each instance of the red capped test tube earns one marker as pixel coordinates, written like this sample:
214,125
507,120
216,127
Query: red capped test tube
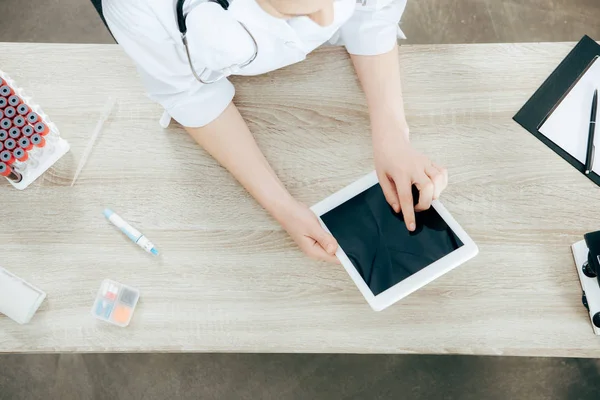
32,117
9,172
14,100
10,112
3,102
38,140
10,144
27,130
25,144
19,121
3,135
20,154
5,123
7,157
6,91
41,128
14,132
23,109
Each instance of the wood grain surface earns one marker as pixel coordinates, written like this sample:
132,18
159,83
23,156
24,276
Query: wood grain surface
229,279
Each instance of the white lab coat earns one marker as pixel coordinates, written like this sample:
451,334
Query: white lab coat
147,31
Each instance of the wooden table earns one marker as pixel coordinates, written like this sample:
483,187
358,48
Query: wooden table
229,279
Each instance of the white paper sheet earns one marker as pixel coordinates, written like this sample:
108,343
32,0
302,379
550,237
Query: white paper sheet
568,125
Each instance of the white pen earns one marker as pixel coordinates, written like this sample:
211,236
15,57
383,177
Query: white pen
133,234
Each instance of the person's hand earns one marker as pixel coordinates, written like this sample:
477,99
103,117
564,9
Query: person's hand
399,166
304,227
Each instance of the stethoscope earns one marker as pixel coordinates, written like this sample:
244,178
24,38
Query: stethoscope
205,76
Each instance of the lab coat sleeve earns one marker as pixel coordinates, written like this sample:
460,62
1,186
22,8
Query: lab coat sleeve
165,72
373,28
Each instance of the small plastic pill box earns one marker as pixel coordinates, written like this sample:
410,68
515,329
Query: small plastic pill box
115,303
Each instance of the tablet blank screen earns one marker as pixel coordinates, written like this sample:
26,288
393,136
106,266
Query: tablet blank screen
377,242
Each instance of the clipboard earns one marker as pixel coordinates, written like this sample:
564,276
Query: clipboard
544,101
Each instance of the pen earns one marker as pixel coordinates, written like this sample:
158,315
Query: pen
133,234
589,159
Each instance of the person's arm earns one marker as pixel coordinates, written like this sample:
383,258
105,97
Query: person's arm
370,37
398,164
211,119
231,143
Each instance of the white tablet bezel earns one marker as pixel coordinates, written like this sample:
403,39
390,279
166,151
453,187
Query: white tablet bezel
413,282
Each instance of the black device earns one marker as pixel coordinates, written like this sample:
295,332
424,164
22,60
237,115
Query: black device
591,268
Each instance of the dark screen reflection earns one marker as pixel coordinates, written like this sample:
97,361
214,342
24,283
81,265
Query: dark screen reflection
377,242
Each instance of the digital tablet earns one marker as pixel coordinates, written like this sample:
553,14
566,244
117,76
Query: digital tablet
384,259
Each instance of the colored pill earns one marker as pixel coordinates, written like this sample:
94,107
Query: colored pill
6,91
23,109
6,157
38,141
10,144
5,123
7,171
3,135
14,100
32,117
14,132
27,130
19,121
10,112
25,143
3,102
20,154
41,128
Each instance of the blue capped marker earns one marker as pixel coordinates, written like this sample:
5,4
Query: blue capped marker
133,234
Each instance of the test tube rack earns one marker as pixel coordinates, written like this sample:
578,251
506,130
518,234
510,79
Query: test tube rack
30,142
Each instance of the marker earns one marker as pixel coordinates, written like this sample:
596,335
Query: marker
6,157
23,109
27,130
25,143
19,121
38,141
6,90
32,117
10,112
14,100
3,102
10,144
3,135
133,234
20,154
14,132
10,173
5,123
41,128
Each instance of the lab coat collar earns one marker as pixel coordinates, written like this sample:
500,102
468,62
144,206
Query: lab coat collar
250,13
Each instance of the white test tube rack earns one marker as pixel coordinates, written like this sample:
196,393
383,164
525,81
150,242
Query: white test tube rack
40,159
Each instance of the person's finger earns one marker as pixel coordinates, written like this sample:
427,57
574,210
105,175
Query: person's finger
426,189
438,179
318,253
404,188
325,240
389,191
444,172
